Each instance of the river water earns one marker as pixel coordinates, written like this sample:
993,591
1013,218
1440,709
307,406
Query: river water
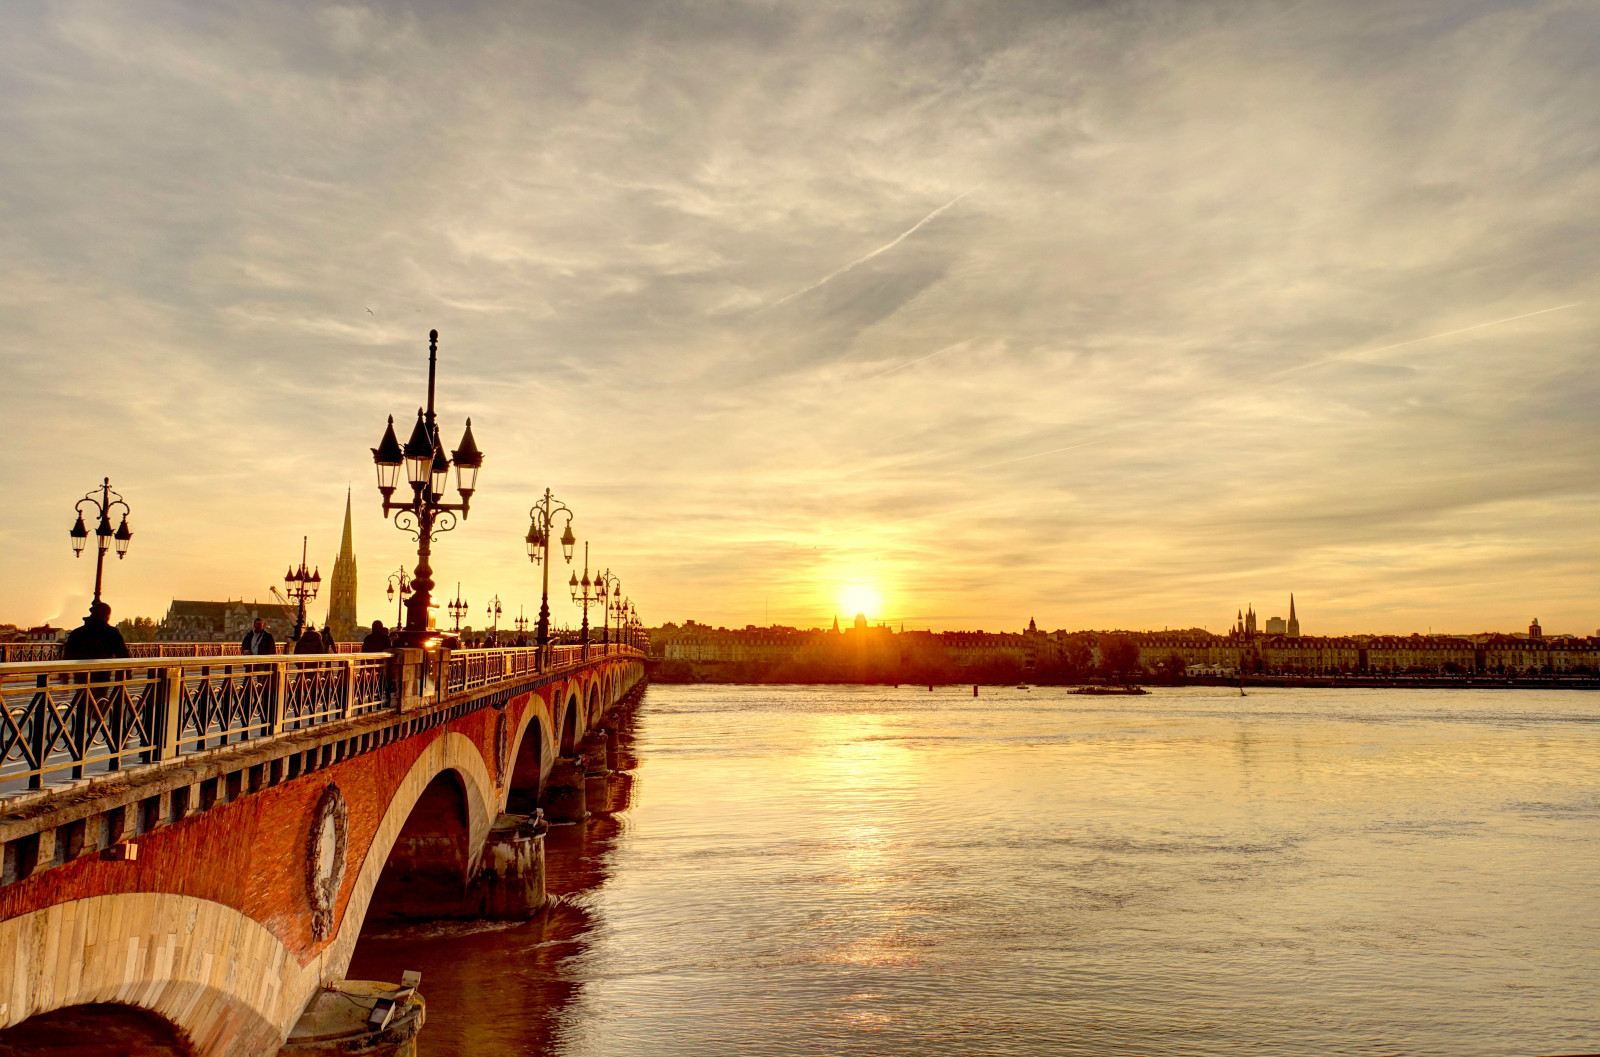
867,870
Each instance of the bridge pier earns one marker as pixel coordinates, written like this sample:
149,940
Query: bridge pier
596,773
564,791
510,883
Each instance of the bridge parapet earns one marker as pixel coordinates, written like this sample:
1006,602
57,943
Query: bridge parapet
70,720
18,652
96,752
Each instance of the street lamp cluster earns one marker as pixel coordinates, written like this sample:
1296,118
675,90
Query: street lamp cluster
399,587
421,510
104,536
542,518
301,585
425,514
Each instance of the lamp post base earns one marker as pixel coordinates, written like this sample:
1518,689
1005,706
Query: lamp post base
417,640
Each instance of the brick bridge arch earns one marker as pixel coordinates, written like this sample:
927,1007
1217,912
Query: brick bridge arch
223,979
210,929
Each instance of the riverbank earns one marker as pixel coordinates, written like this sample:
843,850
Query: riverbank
713,674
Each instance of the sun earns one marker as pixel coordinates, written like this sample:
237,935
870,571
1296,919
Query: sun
861,598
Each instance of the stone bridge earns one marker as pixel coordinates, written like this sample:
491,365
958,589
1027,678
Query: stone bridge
194,843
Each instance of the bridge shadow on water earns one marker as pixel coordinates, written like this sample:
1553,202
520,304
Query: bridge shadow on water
505,987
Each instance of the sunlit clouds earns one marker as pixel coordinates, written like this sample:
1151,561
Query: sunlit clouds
1103,314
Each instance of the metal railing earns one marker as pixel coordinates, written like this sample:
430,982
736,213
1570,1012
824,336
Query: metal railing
474,669
68,720
16,652
72,719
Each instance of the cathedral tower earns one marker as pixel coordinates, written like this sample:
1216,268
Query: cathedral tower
342,587
1294,621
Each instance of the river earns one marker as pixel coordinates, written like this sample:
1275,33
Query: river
872,870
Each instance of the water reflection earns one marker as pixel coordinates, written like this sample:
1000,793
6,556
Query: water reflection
807,871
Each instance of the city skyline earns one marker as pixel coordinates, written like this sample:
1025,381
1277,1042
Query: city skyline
1108,316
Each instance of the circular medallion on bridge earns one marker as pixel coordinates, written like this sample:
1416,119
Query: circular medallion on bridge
325,853
502,747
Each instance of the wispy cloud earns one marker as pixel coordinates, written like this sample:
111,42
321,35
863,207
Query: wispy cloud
1223,300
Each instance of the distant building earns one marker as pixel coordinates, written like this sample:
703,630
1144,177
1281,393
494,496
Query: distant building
1246,624
342,586
1281,650
191,621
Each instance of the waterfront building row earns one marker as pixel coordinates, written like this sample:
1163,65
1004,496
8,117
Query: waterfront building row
1073,652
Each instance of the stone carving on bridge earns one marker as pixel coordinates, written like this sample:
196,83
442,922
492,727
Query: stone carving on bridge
502,746
325,858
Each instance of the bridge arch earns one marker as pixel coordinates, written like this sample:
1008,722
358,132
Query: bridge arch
98,1028
224,983
595,704
427,868
452,751
529,768
569,726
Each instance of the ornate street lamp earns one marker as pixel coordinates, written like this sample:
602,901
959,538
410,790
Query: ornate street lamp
104,536
301,585
610,595
541,521
458,608
425,514
521,623
399,584
584,592
494,616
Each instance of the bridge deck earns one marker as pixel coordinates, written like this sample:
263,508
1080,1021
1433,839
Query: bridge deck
64,722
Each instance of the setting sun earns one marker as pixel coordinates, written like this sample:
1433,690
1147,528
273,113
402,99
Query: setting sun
861,598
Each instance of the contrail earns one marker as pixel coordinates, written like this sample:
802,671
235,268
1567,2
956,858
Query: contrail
1035,455
1432,337
919,359
886,247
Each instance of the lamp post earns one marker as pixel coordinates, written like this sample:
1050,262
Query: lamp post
104,537
494,616
521,623
301,585
458,608
399,583
610,595
425,514
583,594
542,519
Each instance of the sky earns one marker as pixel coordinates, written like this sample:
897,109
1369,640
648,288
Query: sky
1113,314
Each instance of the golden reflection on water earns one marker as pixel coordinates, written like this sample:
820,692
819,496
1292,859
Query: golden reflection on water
830,870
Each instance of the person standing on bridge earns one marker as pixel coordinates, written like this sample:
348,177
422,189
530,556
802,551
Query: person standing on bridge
309,641
328,645
258,640
378,640
96,639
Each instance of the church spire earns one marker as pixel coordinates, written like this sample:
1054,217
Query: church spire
342,588
347,547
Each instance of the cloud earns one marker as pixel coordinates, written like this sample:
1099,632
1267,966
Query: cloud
1253,298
